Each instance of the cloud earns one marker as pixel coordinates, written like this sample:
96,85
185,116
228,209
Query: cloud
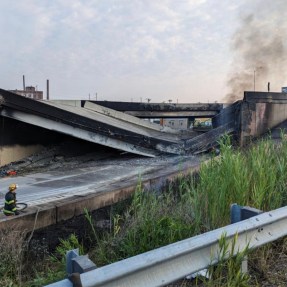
89,44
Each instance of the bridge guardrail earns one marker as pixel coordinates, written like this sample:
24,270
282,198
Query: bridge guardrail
170,263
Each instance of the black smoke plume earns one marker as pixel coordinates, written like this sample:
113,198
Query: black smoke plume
259,51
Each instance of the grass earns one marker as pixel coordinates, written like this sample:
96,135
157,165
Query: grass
228,270
255,177
12,247
147,224
17,270
55,265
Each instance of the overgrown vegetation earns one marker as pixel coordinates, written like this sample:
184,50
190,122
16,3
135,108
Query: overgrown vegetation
148,223
55,265
255,177
228,270
12,247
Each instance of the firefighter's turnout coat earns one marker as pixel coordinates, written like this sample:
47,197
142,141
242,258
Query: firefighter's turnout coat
10,204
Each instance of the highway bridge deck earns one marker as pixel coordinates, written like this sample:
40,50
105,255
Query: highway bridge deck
163,110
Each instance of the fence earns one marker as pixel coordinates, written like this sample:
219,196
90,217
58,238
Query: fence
167,264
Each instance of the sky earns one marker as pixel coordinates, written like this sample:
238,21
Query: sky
179,51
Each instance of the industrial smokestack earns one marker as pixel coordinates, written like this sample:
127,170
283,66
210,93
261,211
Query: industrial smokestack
24,87
47,89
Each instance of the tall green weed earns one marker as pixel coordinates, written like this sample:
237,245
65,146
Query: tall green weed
255,177
150,221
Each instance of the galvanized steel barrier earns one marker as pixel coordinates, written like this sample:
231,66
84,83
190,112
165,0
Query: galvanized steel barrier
167,264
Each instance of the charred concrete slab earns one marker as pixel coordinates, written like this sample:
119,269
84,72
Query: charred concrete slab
230,114
172,114
203,142
128,118
265,97
163,110
226,122
208,140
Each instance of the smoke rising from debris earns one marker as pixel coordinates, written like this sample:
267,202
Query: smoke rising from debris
259,48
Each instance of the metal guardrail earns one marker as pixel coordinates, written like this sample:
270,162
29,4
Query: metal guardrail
167,264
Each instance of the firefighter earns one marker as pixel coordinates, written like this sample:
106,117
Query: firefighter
10,201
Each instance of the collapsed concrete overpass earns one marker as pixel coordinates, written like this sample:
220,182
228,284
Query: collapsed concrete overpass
94,123
115,131
253,116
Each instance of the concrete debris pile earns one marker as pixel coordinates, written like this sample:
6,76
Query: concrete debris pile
61,156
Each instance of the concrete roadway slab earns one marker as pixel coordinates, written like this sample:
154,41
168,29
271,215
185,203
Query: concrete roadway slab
65,193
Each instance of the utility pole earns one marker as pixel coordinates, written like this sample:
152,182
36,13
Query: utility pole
48,96
24,86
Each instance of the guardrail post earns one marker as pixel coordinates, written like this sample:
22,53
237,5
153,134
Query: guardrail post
78,264
82,264
235,213
247,212
70,255
239,213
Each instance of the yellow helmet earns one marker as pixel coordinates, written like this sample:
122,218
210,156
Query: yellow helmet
13,186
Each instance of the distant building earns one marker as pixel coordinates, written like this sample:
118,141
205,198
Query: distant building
175,123
29,92
178,124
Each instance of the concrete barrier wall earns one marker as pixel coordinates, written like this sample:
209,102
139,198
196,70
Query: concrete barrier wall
19,140
13,153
